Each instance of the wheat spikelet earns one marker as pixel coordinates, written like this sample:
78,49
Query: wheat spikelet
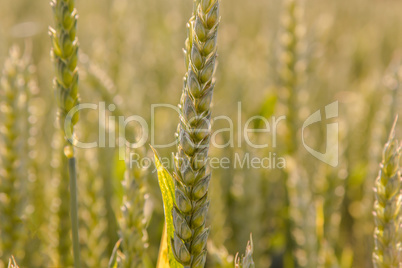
387,207
191,175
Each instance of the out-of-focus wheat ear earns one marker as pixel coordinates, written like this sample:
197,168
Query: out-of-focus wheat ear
387,206
133,233
289,78
302,215
93,221
64,53
289,74
246,260
12,180
36,209
193,136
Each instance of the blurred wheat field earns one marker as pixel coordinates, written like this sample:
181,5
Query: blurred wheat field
307,214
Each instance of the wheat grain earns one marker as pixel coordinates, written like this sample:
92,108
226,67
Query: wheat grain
192,177
387,207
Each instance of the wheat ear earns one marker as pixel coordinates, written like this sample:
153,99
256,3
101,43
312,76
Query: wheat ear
12,186
133,233
191,175
387,207
64,54
289,57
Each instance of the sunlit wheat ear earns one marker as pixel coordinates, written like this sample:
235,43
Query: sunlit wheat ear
133,234
64,54
191,175
12,186
387,207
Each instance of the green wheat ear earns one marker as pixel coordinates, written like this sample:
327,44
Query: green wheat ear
193,135
64,54
387,207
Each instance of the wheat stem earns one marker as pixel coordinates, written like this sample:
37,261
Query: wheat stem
74,210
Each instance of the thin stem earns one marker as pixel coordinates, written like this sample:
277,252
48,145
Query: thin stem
74,211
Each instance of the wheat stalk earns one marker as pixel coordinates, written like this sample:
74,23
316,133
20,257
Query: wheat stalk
64,54
64,223
191,175
387,207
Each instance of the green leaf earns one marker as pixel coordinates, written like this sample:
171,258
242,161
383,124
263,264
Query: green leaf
167,188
